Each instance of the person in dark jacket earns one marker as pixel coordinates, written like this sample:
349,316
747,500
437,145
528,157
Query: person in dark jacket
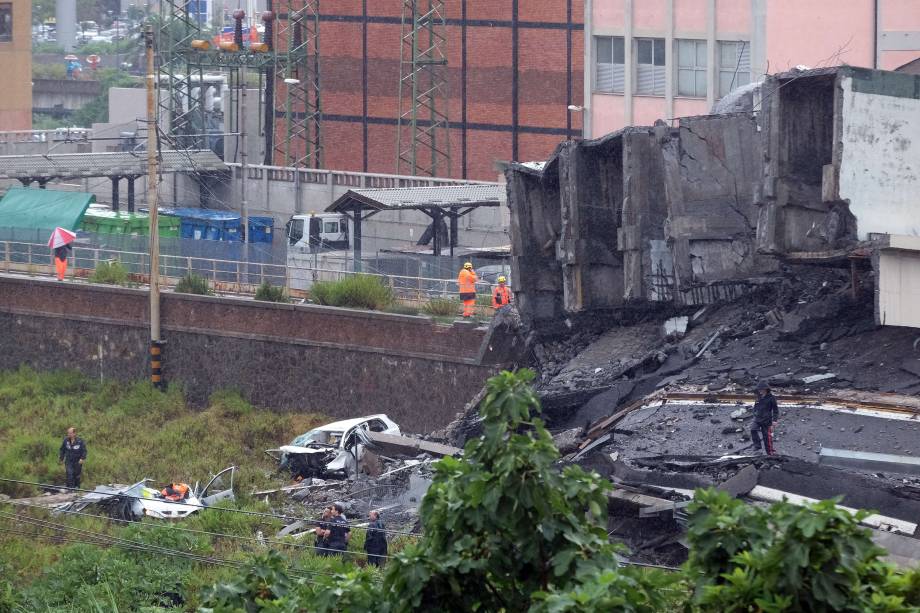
376,542
338,532
73,454
766,414
322,533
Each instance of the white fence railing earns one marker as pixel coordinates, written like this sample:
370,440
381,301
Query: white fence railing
224,276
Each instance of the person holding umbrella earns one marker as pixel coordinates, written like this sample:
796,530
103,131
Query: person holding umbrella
60,243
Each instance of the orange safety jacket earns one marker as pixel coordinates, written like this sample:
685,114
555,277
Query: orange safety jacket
501,297
175,492
466,281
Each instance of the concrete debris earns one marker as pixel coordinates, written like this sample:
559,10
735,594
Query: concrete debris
675,327
870,462
816,378
740,414
403,445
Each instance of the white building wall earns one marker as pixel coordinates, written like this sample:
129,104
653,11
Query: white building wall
880,161
899,283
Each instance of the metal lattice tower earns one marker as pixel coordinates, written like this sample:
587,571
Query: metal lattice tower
294,137
181,109
422,134
297,86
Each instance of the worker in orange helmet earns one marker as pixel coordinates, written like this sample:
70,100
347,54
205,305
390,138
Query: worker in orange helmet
175,492
466,282
501,296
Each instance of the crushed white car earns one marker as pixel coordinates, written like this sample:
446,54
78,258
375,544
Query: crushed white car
134,502
333,449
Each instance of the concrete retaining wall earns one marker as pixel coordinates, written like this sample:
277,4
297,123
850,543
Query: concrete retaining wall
340,362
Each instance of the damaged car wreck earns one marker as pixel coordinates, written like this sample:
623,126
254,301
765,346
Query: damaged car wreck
175,501
334,449
665,272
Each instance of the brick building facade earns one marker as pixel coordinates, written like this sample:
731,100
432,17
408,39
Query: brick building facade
514,66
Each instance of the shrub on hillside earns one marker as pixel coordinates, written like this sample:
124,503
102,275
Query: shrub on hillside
193,284
111,272
270,293
444,307
356,291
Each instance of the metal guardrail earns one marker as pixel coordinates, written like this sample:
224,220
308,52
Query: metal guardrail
225,276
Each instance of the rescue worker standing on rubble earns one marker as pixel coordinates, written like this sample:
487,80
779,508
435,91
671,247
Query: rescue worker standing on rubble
73,454
466,282
766,413
376,542
501,296
338,532
322,533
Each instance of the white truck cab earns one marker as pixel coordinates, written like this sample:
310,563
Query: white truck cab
318,232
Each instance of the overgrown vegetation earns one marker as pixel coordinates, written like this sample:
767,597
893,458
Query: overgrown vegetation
111,272
356,291
505,528
270,293
193,284
132,432
442,307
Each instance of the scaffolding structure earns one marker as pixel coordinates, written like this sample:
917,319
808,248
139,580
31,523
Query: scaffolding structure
422,134
287,73
297,110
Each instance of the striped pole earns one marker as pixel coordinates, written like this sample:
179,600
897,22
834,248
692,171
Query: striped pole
156,367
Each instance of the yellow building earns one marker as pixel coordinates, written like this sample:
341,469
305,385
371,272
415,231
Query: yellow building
16,64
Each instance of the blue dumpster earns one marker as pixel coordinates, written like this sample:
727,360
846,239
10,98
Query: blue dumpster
260,229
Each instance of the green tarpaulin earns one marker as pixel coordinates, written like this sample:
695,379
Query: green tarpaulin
43,209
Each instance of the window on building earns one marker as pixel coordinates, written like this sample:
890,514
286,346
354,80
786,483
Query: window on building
609,64
6,22
650,66
734,65
691,68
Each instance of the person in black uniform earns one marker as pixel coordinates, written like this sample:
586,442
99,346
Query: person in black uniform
322,533
766,414
73,454
338,532
376,542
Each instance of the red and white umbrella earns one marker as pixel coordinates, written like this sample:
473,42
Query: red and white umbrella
61,237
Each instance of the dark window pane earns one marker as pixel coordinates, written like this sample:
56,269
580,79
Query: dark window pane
659,52
6,22
644,51
604,54
619,51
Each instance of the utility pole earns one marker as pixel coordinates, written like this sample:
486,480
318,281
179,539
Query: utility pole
156,376
244,156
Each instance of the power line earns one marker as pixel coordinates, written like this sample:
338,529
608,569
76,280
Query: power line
315,522
193,531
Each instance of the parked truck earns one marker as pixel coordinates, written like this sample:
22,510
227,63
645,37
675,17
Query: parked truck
317,232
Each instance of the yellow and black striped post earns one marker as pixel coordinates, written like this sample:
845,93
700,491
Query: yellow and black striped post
156,364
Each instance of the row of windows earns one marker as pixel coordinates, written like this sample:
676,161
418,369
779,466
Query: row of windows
733,65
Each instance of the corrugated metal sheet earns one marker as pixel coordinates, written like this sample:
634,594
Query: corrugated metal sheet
112,164
445,196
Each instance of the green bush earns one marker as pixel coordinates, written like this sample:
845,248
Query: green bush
49,71
271,293
193,284
356,291
444,307
111,272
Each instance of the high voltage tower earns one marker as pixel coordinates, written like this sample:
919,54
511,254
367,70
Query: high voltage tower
422,134
286,62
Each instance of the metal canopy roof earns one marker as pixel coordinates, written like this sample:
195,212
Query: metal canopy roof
110,164
439,197
43,209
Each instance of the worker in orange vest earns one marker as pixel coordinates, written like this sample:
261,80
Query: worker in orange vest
501,297
466,281
175,492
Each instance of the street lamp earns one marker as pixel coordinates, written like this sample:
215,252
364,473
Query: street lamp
585,118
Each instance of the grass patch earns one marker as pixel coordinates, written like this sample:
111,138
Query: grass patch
193,284
442,307
356,291
270,293
111,272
